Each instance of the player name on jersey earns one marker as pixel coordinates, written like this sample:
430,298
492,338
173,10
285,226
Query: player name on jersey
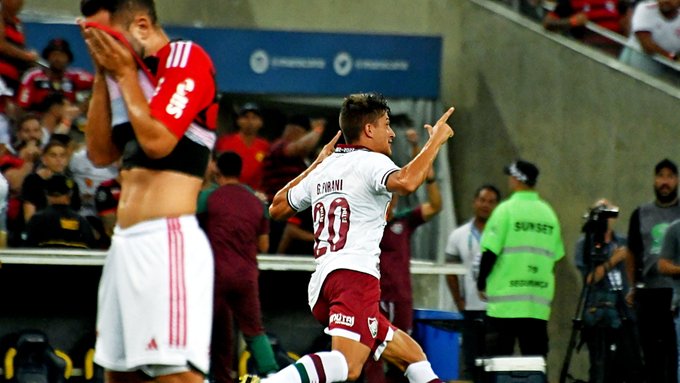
328,187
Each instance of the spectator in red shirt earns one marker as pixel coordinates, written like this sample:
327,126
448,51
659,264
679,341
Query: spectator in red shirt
571,16
14,57
286,159
39,82
245,142
288,156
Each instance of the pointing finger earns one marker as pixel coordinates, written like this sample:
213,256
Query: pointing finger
446,115
335,138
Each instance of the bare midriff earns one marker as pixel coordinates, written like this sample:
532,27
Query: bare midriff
150,194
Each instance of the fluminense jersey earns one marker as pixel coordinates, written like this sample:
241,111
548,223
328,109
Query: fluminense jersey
348,197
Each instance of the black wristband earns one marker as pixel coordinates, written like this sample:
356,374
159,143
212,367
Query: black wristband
430,181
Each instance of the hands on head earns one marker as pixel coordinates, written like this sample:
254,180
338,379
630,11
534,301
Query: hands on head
107,53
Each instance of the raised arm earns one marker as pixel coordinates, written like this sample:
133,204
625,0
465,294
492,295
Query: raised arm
280,209
11,50
100,148
306,144
433,205
407,179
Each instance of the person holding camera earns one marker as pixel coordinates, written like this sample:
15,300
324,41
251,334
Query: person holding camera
599,255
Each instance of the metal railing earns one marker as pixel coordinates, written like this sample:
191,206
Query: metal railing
277,262
611,35
516,5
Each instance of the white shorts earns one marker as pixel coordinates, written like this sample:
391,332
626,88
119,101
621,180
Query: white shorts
155,297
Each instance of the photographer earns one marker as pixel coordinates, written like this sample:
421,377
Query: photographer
600,253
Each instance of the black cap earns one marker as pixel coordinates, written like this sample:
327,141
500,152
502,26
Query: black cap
523,171
249,107
666,164
58,185
58,45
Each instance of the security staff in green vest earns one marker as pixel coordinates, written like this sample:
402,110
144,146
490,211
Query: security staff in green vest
520,245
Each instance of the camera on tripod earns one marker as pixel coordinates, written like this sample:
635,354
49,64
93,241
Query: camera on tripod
597,222
602,317
597,217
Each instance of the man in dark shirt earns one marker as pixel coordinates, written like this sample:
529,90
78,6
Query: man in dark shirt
53,161
237,225
646,229
106,199
58,225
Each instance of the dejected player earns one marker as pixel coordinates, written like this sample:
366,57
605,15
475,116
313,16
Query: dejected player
155,295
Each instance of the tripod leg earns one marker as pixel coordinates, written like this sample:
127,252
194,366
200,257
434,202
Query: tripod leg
576,328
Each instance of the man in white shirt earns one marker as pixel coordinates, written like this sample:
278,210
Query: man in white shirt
463,246
655,29
89,177
349,191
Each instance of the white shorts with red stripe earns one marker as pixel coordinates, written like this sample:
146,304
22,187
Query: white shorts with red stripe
155,297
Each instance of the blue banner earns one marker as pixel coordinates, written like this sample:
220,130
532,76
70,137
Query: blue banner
298,63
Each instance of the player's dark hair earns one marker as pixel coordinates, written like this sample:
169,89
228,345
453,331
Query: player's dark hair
91,7
229,164
358,110
490,187
53,143
123,9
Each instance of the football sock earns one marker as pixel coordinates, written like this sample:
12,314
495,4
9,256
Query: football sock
421,372
322,367
263,354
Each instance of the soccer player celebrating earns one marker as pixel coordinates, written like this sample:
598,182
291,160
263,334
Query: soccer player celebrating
349,190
